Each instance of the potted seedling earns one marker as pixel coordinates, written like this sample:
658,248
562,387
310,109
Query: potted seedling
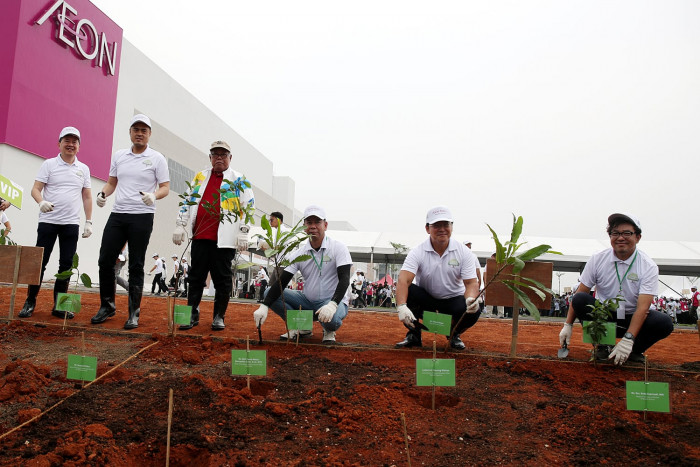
70,302
509,257
600,330
279,245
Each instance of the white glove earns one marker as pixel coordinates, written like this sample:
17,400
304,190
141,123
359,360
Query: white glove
242,241
148,273
406,315
565,334
622,351
148,198
87,231
260,315
326,312
45,206
179,235
101,200
262,244
472,305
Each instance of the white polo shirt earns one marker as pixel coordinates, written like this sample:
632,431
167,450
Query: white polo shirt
63,186
136,173
441,276
3,219
642,278
159,266
320,273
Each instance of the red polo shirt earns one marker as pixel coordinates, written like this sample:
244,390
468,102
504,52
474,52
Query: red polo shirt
206,225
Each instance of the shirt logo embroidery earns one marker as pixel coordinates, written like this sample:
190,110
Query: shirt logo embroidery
633,277
80,173
453,262
147,163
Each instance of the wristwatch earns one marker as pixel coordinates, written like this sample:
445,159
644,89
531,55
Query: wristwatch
245,228
629,335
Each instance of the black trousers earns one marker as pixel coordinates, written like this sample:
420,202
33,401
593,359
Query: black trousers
207,258
657,326
158,279
121,228
46,235
420,300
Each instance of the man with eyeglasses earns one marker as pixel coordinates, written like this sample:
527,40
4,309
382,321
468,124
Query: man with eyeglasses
214,240
444,271
138,176
625,272
326,281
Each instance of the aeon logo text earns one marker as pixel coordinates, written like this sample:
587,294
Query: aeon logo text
81,36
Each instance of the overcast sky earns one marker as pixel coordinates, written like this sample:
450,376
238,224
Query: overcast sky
560,111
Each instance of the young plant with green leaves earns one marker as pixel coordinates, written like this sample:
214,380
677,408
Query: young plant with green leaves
280,245
508,254
67,274
4,238
600,314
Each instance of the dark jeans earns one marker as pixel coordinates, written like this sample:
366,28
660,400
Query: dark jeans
207,257
121,228
158,279
420,300
46,235
656,326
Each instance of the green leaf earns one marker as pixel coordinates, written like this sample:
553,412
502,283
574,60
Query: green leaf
500,252
265,224
537,291
270,252
518,265
533,253
552,252
76,260
300,258
523,298
64,275
87,282
539,285
515,232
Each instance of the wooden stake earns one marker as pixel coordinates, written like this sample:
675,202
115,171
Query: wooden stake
170,319
516,314
646,381
405,437
298,332
173,315
247,355
434,352
170,420
15,278
82,339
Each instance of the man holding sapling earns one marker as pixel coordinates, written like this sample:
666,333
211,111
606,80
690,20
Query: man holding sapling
625,272
138,176
444,271
218,195
326,280
61,187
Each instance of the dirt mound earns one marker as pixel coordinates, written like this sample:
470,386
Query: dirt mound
21,381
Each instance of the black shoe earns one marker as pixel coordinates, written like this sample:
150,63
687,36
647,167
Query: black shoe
457,344
636,357
62,314
412,340
218,323
107,310
27,309
132,322
194,321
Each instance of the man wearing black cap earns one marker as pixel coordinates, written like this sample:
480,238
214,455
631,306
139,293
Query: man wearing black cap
625,272
60,188
214,241
138,176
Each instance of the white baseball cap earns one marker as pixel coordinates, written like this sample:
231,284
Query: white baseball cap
69,130
628,218
140,118
154,255
437,214
314,210
174,256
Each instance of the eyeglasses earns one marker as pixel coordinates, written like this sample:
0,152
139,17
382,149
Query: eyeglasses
220,156
626,234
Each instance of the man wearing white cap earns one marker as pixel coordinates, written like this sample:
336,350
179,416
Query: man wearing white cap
61,187
445,281
326,280
216,191
625,272
139,176
159,278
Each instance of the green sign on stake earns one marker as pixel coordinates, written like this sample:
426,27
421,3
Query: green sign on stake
437,323
182,314
609,338
651,397
82,368
249,362
68,302
301,320
435,372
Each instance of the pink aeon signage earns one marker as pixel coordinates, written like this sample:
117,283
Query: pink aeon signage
59,66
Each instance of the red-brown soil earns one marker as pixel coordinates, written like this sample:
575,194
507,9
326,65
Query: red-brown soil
329,405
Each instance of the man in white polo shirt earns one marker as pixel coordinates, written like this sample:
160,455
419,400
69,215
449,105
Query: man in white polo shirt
626,272
158,280
139,176
326,280
61,187
445,281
